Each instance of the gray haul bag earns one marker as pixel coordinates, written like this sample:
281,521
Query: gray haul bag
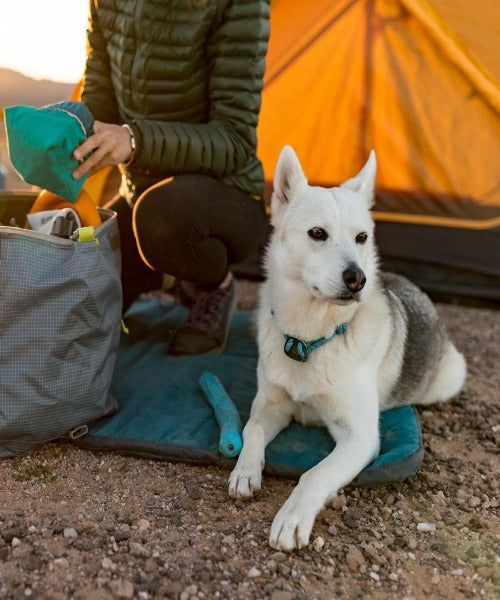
60,310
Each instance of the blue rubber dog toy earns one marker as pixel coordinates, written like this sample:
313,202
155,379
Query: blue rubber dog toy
226,414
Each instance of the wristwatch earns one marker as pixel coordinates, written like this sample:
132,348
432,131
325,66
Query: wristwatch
132,142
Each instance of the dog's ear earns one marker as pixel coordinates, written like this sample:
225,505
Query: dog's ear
287,177
364,182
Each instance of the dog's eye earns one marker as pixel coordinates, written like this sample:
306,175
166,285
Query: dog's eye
361,238
317,233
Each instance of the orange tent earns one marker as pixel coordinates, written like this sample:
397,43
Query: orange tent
416,80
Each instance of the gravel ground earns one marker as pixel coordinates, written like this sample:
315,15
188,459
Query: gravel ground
84,525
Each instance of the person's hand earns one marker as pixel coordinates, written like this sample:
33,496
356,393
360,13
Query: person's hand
110,144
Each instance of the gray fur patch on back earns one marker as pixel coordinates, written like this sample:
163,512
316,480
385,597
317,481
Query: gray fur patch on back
425,342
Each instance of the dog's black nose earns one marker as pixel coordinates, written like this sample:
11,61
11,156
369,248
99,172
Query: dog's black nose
354,279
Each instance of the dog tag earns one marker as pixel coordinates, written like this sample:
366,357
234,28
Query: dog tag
296,349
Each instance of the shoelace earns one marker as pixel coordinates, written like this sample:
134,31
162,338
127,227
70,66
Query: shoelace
205,306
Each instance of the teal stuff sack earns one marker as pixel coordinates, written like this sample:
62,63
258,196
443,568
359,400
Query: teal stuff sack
60,312
41,143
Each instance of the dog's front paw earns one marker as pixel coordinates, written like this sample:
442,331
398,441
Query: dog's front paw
245,479
292,526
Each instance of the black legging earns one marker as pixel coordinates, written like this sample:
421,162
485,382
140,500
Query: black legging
190,226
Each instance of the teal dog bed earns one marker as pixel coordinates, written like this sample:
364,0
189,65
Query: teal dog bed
163,413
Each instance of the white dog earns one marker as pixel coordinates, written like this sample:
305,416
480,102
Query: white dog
338,342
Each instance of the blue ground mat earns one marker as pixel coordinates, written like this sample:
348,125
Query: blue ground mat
164,415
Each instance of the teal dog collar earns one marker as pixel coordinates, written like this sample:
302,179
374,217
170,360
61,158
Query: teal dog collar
299,350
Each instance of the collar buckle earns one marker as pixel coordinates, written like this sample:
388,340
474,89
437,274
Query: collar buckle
296,348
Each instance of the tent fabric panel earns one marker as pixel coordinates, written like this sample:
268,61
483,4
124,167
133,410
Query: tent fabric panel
307,108
477,24
392,86
427,117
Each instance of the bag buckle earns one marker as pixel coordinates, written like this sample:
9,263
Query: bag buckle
78,432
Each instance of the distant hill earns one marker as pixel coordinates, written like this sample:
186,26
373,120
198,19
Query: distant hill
16,88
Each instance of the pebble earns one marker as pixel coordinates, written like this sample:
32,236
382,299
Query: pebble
61,562
191,590
318,543
474,502
374,576
374,556
485,572
15,542
281,595
254,572
70,533
121,588
279,557
354,558
426,527
332,530
137,549
411,542
107,564
339,502
10,533
143,524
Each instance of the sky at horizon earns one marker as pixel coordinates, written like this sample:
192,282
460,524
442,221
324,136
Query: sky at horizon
44,39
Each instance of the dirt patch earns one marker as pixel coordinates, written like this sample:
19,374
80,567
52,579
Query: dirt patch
84,525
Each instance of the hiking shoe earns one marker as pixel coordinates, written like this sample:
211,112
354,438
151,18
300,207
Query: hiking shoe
207,325
184,292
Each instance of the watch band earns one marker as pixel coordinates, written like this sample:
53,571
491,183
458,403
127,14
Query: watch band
132,142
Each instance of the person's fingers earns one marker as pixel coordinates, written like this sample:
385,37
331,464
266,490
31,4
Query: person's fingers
90,144
96,158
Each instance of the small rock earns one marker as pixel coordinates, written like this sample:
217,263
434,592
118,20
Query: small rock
121,588
228,540
393,576
485,572
354,558
254,572
332,530
339,502
281,595
411,542
374,576
137,549
474,502
426,527
318,543
143,524
61,562
47,533
10,533
374,555
107,564
353,516
15,542
175,575
70,533
279,557
31,562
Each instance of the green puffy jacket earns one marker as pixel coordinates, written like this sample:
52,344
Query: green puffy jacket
187,76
